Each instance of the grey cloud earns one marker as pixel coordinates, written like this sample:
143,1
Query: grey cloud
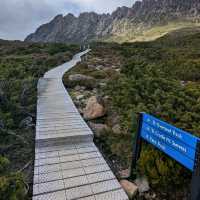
107,5
21,17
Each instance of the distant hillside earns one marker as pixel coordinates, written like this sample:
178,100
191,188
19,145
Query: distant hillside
145,20
7,42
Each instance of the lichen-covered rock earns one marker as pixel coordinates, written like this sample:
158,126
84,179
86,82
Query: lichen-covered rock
78,88
80,82
94,109
98,129
130,188
79,77
79,97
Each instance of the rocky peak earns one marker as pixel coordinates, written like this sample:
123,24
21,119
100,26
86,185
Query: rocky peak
89,17
69,16
123,21
120,13
58,17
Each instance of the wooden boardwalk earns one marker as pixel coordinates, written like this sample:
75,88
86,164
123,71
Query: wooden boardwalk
68,165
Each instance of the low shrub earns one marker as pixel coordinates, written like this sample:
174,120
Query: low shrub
88,83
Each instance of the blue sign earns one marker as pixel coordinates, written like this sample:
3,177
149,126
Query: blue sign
173,141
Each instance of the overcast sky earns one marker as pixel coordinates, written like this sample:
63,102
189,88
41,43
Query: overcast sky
18,18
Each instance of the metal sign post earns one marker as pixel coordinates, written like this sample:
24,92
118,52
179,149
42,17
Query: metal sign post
137,145
195,184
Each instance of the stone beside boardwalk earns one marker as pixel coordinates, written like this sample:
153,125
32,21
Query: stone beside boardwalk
68,165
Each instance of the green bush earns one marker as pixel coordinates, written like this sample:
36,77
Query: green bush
60,47
4,163
163,172
12,186
144,89
88,84
98,74
21,65
162,79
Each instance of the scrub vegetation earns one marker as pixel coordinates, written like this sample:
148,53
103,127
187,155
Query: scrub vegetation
21,65
160,77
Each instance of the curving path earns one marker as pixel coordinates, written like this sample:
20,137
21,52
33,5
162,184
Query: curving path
68,165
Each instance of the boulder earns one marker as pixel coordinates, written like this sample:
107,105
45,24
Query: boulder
98,128
94,109
130,188
79,97
151,196
80,77
81,80
78,88
114,67
100,67
83,88
143,184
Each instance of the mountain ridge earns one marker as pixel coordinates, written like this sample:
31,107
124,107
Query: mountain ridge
124,22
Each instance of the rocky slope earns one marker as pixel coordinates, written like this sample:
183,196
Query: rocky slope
124,24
